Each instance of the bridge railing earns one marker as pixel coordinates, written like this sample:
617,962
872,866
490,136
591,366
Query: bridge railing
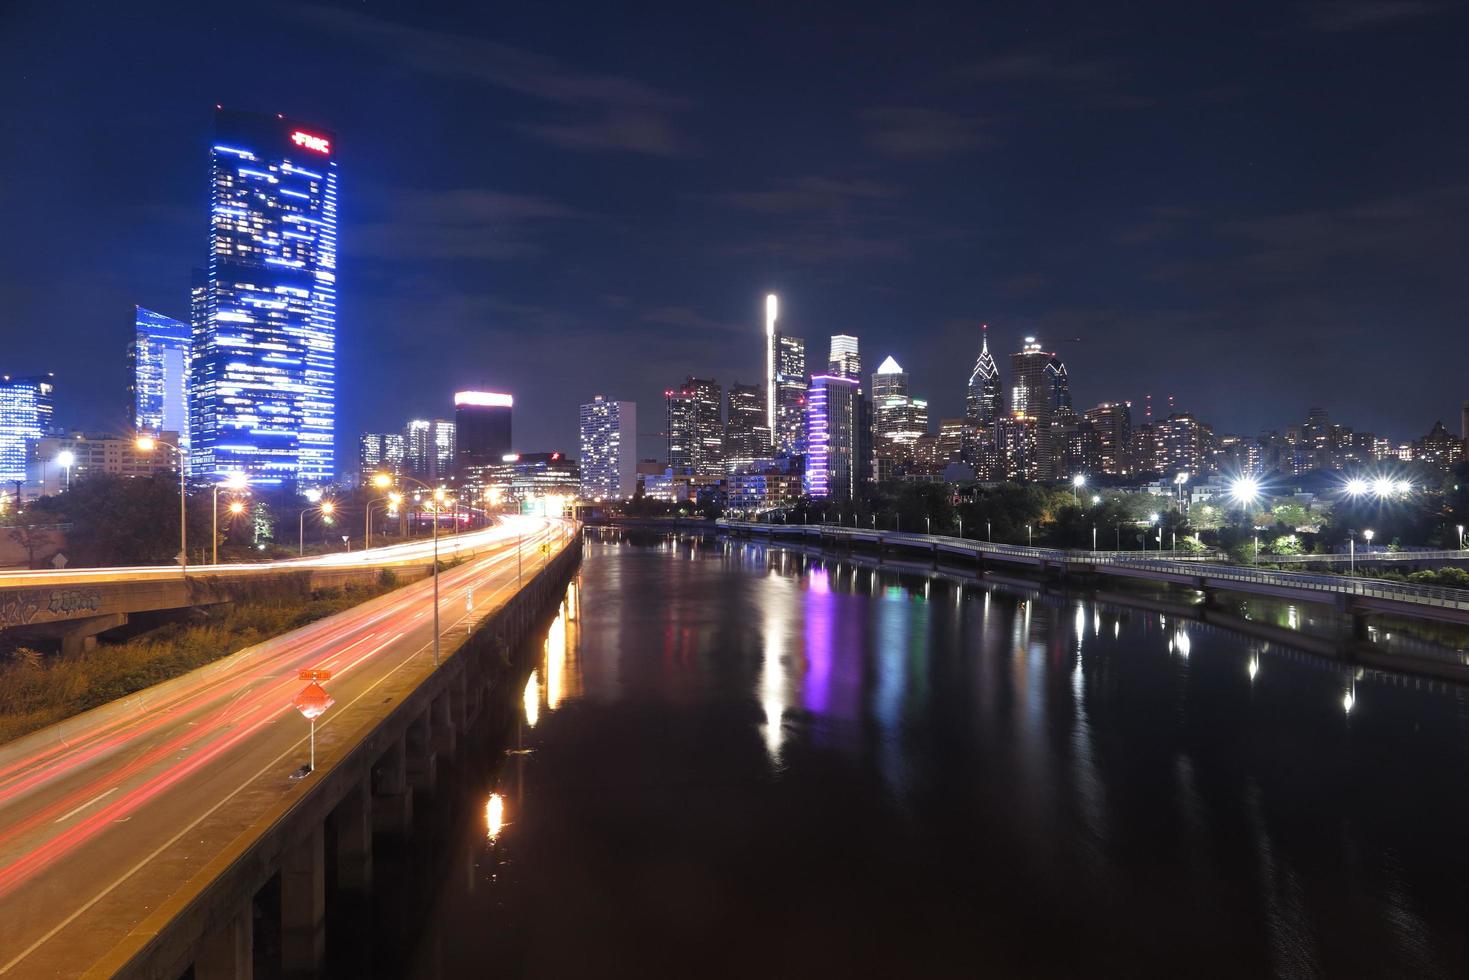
1181,563
1361,556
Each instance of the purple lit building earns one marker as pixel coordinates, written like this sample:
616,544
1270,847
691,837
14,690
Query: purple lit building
831,437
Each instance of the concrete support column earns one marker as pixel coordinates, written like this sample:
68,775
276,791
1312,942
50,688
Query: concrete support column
444,729
392,798
303,906
79,635
421,758
353,821
1359,626
229,953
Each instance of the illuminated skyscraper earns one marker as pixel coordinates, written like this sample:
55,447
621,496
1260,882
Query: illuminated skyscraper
695,432
984,401
785,384
898,419
381,452
746,436
844,361
481,429
831,437
1113,424
609,449
158,362
27,410
262,375
429,448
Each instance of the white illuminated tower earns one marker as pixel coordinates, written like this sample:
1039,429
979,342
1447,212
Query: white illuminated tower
772,312
609,450
262,370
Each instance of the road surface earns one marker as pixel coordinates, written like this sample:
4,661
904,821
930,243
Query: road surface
105,816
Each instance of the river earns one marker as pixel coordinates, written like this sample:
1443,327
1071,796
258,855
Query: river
736,760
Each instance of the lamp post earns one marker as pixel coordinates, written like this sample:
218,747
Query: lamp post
927,524
1461,537
390,502
236,481
382,481
66,458
326,507
1094,537
1352,555
961,527
1368,535
1029,536
147,444
1077,482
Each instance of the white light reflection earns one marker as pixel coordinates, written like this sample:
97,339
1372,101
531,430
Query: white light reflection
532,698
1181,642
773,693
1254,666
556,659
494,816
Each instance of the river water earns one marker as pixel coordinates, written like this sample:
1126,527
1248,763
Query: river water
736,760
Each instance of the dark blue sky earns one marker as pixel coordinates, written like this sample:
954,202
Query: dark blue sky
1256,208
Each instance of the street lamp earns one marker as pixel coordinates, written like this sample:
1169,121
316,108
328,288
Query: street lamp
1077,482
1152,521
66,458
147,444
1461,537
1368,535
326,507
391,502
236,482
382,481
1029,536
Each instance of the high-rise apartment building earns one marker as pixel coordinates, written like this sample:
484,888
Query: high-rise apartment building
1040,386
482,432
844,360
609,449
158,369
1113,424
429,448
746,436
695,431
381,452
831,437
27,411
1017,439
262,372
1181,444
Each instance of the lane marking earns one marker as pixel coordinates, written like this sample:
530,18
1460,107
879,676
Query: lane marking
99,797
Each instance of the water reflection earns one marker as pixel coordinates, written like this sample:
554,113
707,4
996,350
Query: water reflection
790,732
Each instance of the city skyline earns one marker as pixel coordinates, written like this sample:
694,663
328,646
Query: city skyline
630,210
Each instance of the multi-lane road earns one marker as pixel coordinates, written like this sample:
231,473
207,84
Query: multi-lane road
104,817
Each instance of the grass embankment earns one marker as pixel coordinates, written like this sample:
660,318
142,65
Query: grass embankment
39,689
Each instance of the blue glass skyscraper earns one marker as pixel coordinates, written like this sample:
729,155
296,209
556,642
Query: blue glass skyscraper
26,409
159,362
262,376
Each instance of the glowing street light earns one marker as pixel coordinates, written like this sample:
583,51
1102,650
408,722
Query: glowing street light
147,444
1382,487
1077,482
327,509
1357,487
1244,491
236,482
1368,535
1461,537
66,459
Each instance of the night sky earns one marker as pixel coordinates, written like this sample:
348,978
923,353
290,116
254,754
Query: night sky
1256,208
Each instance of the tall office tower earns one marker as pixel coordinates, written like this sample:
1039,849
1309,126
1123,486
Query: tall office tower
381,452
984,401
158,367
1083,449
1113,424
695,432
1031,389
898,419
27,411
262,371
831,437
844,361
746,436
954,436
866,472
772,357
481,429
1180,442
429,448
790,400
609,449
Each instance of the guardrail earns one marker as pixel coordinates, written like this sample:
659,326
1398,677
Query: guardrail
1187,564
1366,556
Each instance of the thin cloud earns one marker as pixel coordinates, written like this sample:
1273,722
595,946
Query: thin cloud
809,194
462,223
1352,15
615,113
914,131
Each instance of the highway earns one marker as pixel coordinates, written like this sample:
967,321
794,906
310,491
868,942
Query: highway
418,550
103,817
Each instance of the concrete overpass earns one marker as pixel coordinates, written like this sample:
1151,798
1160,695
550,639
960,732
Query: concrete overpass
75,605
